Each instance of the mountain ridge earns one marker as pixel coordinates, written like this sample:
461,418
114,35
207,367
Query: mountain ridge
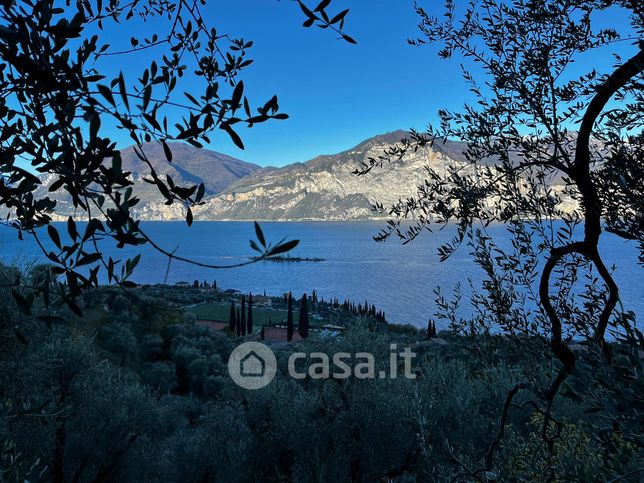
322,188
189,166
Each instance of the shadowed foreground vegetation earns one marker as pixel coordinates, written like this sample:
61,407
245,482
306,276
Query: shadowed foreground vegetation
146,396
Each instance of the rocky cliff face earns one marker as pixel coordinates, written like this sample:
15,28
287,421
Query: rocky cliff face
189,166
323,188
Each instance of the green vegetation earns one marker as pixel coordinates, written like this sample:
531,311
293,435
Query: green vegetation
135,391
261,316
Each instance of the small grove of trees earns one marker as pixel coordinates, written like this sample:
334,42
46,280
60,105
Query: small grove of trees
240,323
60,102
359,309
533,119
431,329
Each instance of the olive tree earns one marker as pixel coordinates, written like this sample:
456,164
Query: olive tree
535,118
60,102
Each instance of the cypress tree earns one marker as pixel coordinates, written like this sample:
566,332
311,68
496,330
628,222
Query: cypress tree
243,311
429,329
289,319
249,322
238,323
232,320
242,320
303,322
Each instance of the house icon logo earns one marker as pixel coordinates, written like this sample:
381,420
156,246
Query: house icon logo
252,365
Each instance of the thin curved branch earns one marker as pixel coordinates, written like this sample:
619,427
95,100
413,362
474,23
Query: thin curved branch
613,298
614,83
559,349
489,458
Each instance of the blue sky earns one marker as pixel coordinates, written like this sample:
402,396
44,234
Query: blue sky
337,94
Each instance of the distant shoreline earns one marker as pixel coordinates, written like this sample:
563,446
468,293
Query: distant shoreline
286,259
62,219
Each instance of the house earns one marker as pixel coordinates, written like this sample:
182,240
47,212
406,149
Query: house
262,301
278,334
258,300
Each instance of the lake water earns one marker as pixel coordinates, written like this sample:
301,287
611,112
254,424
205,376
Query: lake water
397,279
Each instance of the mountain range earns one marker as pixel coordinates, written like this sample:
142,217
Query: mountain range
322,188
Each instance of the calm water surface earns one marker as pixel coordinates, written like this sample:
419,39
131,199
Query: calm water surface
398,279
